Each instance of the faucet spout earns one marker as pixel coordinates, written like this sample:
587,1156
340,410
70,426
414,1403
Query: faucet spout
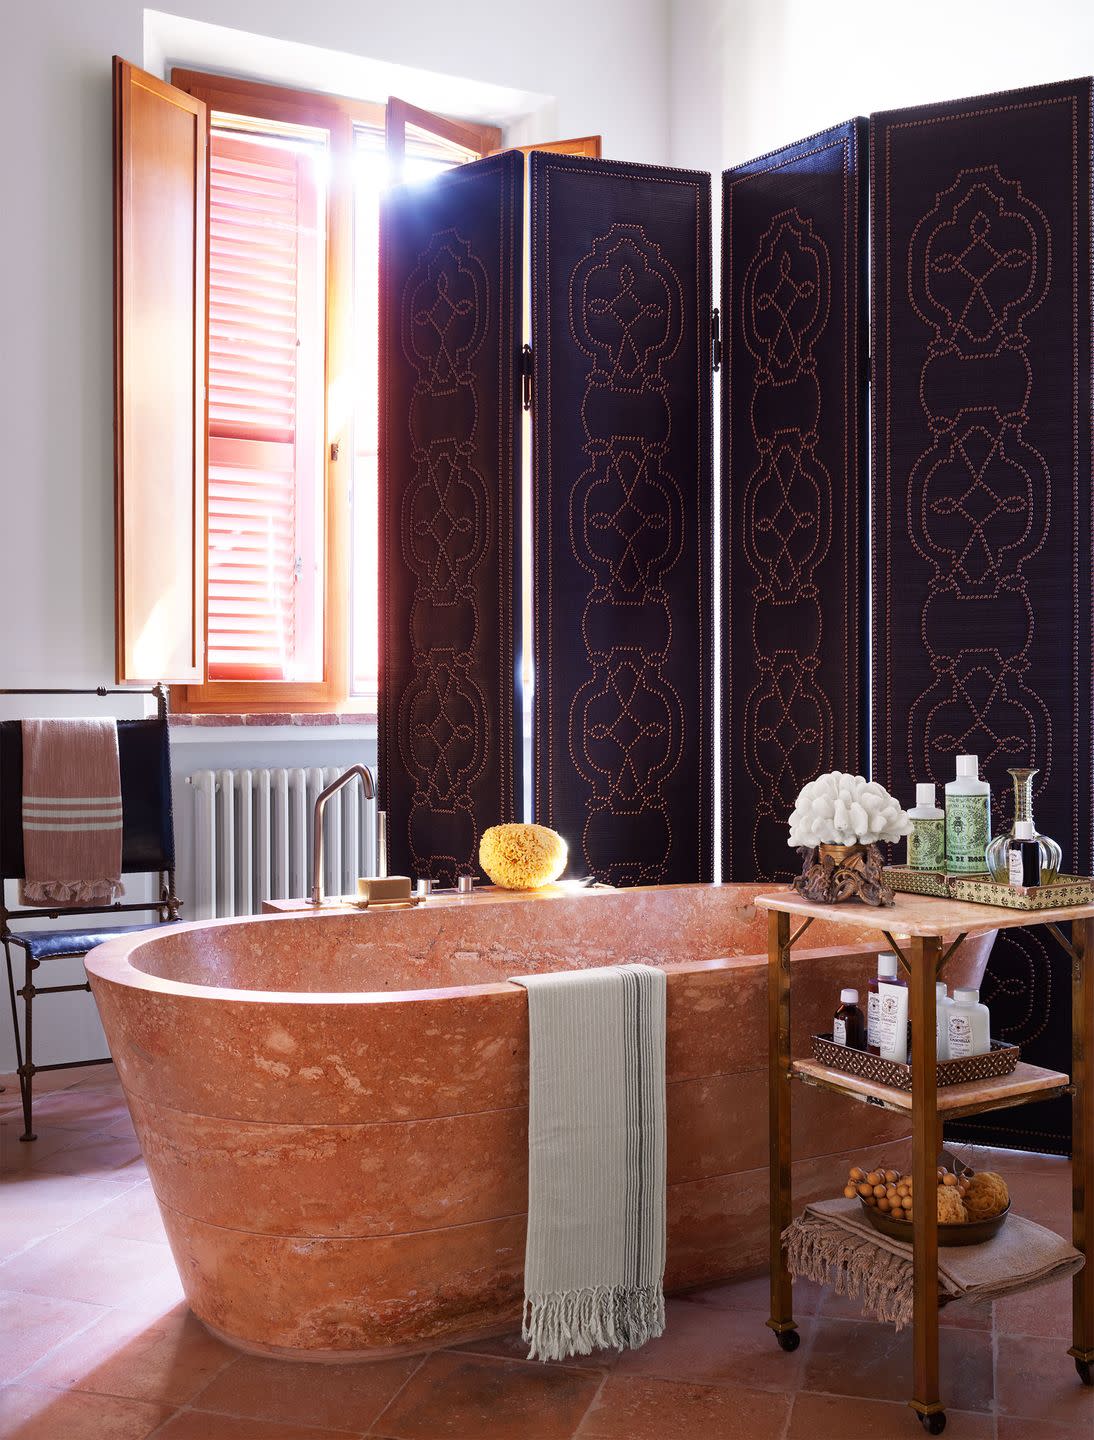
359,772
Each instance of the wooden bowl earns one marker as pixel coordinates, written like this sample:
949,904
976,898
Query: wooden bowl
967,1232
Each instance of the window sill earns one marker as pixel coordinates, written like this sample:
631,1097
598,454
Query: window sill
307,725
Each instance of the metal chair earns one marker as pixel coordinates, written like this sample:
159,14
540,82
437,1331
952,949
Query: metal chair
148,846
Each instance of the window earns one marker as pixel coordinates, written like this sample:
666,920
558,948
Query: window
287,524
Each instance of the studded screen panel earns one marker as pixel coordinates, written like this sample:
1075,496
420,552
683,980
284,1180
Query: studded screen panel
793,485
982,493
450,314
621,504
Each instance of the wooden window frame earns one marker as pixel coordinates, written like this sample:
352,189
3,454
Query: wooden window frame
339,116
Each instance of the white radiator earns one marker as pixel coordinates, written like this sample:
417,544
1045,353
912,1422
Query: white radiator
253,838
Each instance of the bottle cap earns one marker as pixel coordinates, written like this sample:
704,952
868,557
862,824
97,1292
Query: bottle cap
1023,830
924,794
848,997
940,990
968,767
886,965
967,997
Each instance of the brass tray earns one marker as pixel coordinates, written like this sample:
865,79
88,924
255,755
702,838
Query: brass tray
970,1232
981,889
1001,1059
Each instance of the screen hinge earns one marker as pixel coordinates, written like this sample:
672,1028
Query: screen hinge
526,376
715,339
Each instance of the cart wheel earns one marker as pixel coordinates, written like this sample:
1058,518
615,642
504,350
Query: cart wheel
790,1340
935,1423
1086,1371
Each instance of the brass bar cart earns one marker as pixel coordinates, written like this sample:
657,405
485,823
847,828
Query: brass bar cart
929,930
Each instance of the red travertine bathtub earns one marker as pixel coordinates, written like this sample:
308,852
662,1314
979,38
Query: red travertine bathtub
333,1107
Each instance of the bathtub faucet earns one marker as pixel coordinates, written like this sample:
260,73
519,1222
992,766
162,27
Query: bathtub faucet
368,785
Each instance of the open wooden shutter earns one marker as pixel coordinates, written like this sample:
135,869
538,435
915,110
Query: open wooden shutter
465,141
159,378
588,145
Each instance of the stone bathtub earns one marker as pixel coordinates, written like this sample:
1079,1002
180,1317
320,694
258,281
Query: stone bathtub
333,1106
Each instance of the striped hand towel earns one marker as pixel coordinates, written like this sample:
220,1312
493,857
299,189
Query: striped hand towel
72,812
594,1264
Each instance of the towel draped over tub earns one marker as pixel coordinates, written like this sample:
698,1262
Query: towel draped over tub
595,1258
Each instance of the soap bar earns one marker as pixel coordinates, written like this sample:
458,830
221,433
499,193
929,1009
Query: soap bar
383,890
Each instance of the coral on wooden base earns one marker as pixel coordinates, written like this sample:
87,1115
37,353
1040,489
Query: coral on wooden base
844,872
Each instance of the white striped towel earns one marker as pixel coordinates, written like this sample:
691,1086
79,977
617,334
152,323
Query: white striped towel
72,812
594,1264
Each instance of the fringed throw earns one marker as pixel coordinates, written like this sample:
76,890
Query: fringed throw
595,1259
72,812
831,1243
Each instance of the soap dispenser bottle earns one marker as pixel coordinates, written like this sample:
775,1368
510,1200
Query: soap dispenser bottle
968,819
942,1003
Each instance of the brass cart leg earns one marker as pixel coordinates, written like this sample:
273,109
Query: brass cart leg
923,958
778,1053
1082,1145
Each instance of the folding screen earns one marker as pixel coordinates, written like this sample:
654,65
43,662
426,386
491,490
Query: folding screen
793,487
450,315
982,487
621,513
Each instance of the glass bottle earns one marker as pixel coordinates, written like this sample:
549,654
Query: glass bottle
999,850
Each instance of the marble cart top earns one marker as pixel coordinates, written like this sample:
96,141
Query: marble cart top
922,915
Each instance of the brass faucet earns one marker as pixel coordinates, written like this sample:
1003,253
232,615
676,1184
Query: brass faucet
369,787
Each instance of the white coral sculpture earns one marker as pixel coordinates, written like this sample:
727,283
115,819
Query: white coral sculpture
839,809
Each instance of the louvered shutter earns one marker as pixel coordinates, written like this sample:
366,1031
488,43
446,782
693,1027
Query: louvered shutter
263,313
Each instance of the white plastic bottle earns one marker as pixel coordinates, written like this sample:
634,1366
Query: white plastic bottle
968,819
968,1025
942,1003
886,970
927,837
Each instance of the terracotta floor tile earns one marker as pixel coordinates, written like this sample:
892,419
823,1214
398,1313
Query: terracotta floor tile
18,1155
169,1359
95,1154
966,1317
704,1344
512,1347
753,1294
1038,1430
27,1413
341,1397
82,1108
133,1215
199,1425
473,1397
1045,1311
838,1417
34,1205
31,1325
631,1408
112,1271
873,1362
1036,1377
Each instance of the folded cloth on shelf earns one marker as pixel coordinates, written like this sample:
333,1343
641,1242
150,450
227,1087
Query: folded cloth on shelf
594,1262
72,812
832,1243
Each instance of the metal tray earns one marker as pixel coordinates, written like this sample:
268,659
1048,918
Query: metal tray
981,889
1001,1059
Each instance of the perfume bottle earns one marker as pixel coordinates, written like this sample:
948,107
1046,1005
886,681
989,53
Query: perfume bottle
999,851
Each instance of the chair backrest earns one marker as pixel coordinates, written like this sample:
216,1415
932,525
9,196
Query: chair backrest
148,830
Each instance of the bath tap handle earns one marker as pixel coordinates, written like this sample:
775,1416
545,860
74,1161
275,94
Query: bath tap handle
364,774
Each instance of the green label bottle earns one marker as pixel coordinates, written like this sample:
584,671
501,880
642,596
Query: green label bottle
927,837
968,819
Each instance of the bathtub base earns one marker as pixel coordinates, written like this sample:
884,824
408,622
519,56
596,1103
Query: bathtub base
358,1357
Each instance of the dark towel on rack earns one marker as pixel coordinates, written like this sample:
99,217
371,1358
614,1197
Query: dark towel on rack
72,812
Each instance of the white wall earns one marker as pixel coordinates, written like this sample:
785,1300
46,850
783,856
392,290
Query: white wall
750,75
601,67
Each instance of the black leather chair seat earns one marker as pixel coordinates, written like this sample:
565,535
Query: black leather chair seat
49,944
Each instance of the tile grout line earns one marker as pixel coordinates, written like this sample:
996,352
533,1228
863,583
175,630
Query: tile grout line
372,1430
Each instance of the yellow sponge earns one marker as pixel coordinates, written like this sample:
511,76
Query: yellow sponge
987,1195
522,857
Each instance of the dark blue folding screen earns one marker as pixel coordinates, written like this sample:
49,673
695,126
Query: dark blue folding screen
621,313
981,241
450,317
793,485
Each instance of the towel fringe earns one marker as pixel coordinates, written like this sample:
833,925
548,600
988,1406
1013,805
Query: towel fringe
577,1322
72,892
857,1268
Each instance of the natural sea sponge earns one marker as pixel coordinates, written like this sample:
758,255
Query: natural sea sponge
522,857
987,1195
951,1208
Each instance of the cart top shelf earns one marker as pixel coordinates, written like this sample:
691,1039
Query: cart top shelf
922,915
1024,1084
